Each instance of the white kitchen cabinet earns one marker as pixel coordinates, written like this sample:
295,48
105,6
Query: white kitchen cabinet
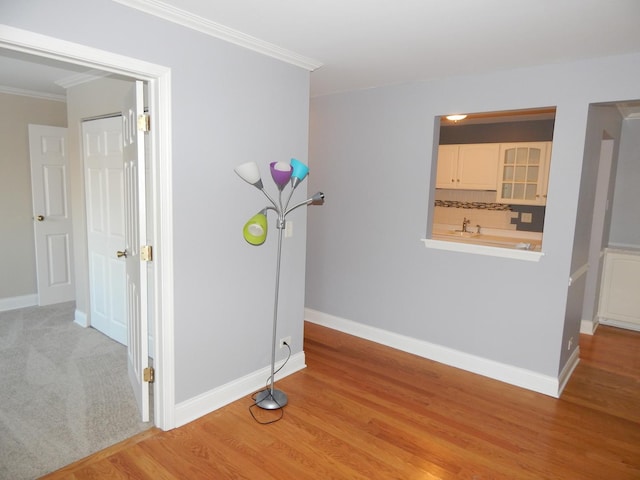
469,166
523,173
620,289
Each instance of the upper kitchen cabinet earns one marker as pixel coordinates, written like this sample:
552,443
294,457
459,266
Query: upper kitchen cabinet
523,173
468,166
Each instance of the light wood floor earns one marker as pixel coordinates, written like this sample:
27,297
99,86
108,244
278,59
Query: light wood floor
364,411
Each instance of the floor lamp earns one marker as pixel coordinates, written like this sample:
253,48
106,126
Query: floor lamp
255,232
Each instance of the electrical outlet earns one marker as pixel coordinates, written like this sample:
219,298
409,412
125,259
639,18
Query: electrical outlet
284,340
288,229
526,217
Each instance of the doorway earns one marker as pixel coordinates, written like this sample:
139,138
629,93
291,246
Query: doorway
158,81
599,233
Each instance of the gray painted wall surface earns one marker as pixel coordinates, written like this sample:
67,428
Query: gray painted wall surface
592,220
526,131
229,105
372,151
625,218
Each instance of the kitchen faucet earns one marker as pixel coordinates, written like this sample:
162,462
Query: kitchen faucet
465,222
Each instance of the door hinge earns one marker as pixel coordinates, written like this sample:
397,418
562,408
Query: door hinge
149,374
146,253
144,122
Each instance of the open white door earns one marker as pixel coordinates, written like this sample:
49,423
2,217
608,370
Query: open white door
105,197
51,213
135,238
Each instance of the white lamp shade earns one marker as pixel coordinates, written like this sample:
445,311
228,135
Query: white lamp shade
249,172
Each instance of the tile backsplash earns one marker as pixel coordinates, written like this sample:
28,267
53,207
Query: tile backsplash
463,199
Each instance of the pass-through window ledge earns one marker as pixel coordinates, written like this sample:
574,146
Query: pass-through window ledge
527,255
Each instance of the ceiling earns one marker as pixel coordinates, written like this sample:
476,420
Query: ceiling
367,43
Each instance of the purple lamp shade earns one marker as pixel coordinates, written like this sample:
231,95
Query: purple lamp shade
281,173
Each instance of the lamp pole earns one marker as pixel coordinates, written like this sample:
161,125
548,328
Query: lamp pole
255,232
270,398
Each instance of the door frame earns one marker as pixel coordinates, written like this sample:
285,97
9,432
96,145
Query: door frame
158,79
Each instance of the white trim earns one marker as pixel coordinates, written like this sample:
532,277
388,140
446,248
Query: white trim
567,370
33,94
43,46
22,301
80,78
159,81
520,377
578,273
588,327
620,324
203,25
212,400
492,251
160,96
81,318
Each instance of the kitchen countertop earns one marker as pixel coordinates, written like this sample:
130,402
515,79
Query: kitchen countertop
511,239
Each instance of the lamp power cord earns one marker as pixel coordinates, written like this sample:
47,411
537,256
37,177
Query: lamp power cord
280,408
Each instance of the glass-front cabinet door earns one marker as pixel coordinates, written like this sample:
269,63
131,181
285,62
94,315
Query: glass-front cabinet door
523,173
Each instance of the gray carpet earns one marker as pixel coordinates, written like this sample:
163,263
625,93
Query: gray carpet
64,392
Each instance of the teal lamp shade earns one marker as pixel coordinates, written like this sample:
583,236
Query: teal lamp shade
298,173
250,173
255,230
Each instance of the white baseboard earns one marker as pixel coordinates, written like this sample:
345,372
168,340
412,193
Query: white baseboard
620,324
81,318
23,301
588,326
520,377
212,400
568,369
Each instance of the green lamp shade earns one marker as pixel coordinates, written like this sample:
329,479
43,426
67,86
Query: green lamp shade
255,230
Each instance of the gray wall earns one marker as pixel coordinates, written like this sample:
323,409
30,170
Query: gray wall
373,151
593,219
625,219
229,105
17,249
525,131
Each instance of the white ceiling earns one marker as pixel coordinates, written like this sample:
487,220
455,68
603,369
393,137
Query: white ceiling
367,43
37,76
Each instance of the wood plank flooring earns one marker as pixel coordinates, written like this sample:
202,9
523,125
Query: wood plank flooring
364,411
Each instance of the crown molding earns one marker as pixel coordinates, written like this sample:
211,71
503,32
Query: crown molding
32,93
203,25
629,110
80,78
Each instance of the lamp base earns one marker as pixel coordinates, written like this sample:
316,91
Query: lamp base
271,401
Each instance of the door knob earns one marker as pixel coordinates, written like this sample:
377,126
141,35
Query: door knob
121,254
40,218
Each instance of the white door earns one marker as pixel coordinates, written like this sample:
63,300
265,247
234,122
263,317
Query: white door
135,237
51,213
105,197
